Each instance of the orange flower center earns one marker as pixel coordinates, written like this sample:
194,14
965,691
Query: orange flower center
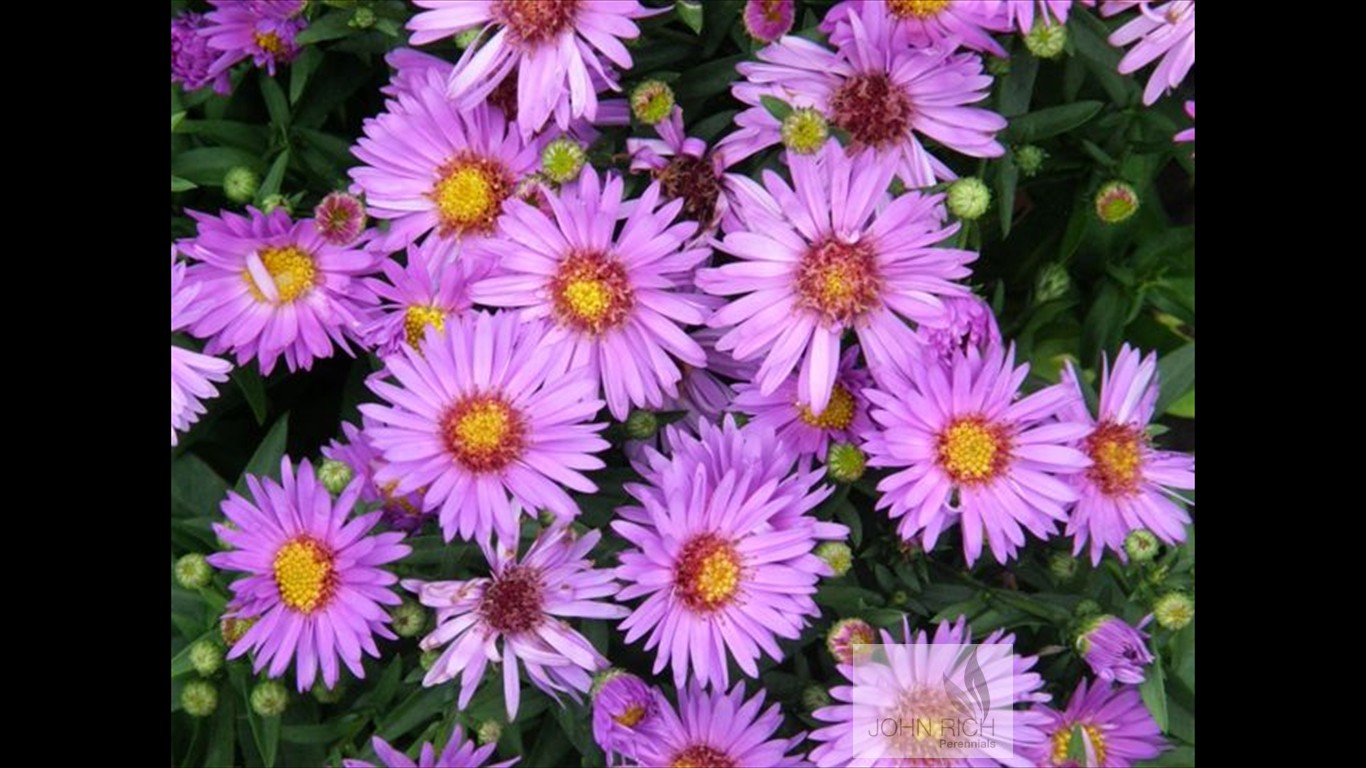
702,756
1116,452
484,432
973,450
707,574
591,293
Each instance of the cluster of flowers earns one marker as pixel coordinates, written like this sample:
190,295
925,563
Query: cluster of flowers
521,292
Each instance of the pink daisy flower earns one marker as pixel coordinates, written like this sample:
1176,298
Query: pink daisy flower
1114,727
810,432
524,604
262,30
554,46
1130,484
430,167
625,712
722,552
884,95
192,374
719,729
828,255
1022,15
460,752
271,288
617,300
341,218
422,295
768,20
401,512
972,325
314,583
967,451
478,416
191,56
1161,30
923,23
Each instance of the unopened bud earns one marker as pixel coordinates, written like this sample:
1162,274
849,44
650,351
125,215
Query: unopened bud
240,184
335,475
199,698
269,698
641,425
193,571
1115,202
206,657
837,555
845,463
804,131
408,619
562,159
1174,610
1141,545
1047,41
969,198
652,101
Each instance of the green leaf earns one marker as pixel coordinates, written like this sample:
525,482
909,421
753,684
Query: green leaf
777,107
1017,87
276,175
327,27
207,165
180,185
222,734
414,711
1176,372
276,104
302,69
708,79
1007,178
1180,757
1102,59
690,12
1105,321
176,117
196,490
253,388
1185,407
266,461
1051,121
1154,691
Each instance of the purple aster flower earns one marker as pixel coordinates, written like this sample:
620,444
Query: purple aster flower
191,57
912,680
1164,30
314,583
922,23
625,711
884,95
262,30
826,257
524,604
720,730
1022,15
1129,484
768,20
401,512
969,452
1115,730
272,288
617,301
1114,650
723,551
553,45
971,325
686,171
479,417
341,218
1189,133
808,431
430,167
845,638
192,374
459,753
422,295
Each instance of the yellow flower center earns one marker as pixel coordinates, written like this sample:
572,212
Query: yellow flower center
591,293
973,450
920,9
707,574
469,194
631,716
838,413
417,319
1116,451
304,574
484,433
838,280
1062,742
291,269
269,42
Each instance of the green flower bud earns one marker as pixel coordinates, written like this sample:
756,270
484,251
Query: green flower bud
1141,545
837,555
193,571
1029,159
199,698
326,695
844,463
1174,610
206,657
1086,609
428,658
1062,565
641,425
1051,283
1047,41
815,697
408,619
562,159
969,198
232,629
335,475
1115,202
240,184
269,698
364,18
805,131
997,66
652,101
276,201
489,732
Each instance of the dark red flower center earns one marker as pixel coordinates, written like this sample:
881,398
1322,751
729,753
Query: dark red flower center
702,756
873,110
484,432
515,601
838,280
534,22
707,574
692,180
1116,451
